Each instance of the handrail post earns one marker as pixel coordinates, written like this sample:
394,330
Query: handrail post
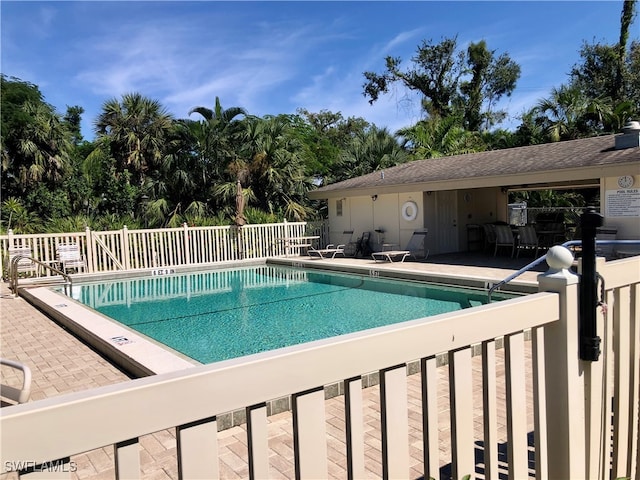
565,404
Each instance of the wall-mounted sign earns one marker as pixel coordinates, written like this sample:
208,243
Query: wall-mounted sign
623,202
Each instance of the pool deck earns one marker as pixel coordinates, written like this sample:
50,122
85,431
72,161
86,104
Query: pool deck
62,364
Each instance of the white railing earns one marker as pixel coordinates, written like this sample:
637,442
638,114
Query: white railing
110,251
582,415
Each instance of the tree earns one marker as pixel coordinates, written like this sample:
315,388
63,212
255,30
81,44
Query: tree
72,120
324,135
610,75
436,72
216,144
567,114
35,144
626,19
372,150
451,82
135,130
438,137
272,166
491,78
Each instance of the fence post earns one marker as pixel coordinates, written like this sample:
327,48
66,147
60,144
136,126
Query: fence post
90,249
124,241
185,237
565,402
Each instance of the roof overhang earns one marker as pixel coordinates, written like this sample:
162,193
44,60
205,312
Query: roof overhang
565,178
572,162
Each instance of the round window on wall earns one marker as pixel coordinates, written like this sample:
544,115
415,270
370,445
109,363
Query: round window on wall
410,211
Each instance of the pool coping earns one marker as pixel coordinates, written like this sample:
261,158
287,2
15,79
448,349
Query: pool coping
142,356
393,271
133,352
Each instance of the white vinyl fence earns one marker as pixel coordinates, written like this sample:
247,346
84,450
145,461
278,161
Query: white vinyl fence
110,251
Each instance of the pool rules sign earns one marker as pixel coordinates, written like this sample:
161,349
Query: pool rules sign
624,202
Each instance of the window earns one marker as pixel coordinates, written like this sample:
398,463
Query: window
339,208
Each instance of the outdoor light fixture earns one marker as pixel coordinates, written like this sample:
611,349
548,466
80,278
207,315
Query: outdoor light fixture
374,197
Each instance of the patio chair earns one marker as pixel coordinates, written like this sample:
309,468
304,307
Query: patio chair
331,250
527,240
489,236
16,395
70,257
415,248
25,264
504,238
363,245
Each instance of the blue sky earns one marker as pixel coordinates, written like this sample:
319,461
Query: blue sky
275,57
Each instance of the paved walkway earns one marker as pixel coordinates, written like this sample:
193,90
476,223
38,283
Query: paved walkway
62,364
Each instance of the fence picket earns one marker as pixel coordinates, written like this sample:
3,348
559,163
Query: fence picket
622,408
490,409
516,405
197,445
127,458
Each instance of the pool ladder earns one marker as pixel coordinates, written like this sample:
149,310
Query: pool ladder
13,275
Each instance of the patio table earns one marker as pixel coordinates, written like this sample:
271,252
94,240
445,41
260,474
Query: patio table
291,244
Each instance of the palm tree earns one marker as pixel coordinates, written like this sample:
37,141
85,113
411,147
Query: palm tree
215,138
439,137
42,149
216,142
369,151
137,129
565,111
271,164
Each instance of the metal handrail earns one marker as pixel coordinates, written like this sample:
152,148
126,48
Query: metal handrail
537,261
13,272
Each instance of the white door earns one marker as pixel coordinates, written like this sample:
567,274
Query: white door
447,224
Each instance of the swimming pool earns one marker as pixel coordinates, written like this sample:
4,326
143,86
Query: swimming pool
221,314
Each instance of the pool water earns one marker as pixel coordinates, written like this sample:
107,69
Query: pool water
222,314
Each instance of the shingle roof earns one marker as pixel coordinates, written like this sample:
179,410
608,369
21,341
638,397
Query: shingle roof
551,157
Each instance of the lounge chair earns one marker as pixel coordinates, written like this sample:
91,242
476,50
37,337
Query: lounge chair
70,257
17,395
331,250
415,248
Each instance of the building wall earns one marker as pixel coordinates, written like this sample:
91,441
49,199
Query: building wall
363,213
621,207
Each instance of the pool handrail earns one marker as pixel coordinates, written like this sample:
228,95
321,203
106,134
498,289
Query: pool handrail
13,273
539,260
